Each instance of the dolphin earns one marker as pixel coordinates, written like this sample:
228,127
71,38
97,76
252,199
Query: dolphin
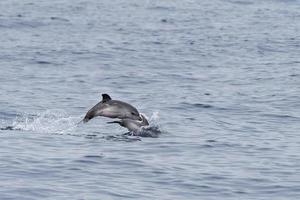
112,109
131,124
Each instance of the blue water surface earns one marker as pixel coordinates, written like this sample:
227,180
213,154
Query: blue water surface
220,79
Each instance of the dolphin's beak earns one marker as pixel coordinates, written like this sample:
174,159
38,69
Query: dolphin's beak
140,118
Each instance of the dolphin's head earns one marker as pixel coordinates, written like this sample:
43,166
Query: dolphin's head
144,120
133,114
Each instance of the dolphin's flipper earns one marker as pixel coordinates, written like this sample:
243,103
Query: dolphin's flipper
114,122
121,123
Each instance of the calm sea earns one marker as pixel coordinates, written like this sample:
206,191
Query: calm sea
220,79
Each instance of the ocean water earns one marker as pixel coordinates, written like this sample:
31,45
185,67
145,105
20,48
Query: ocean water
219,79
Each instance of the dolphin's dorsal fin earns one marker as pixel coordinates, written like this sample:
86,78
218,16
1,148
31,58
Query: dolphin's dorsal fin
105,98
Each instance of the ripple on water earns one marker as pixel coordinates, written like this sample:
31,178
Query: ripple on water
225,86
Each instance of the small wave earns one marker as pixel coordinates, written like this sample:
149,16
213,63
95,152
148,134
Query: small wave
187,105
7,115
161,8
10,128
150,131
17,23
201,105
280,116
122,138
241,2
43,62
59,19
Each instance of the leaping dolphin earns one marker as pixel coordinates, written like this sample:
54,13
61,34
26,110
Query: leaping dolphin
112,109
131,124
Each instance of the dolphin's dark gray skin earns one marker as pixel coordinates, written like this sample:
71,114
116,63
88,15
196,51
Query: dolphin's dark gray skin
133,125
112,109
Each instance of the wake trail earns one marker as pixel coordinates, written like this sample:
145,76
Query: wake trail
60,122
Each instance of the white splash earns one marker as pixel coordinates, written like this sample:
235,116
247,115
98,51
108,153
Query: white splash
50,121
153,130
154,117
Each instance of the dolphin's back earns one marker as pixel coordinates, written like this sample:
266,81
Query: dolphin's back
122,105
